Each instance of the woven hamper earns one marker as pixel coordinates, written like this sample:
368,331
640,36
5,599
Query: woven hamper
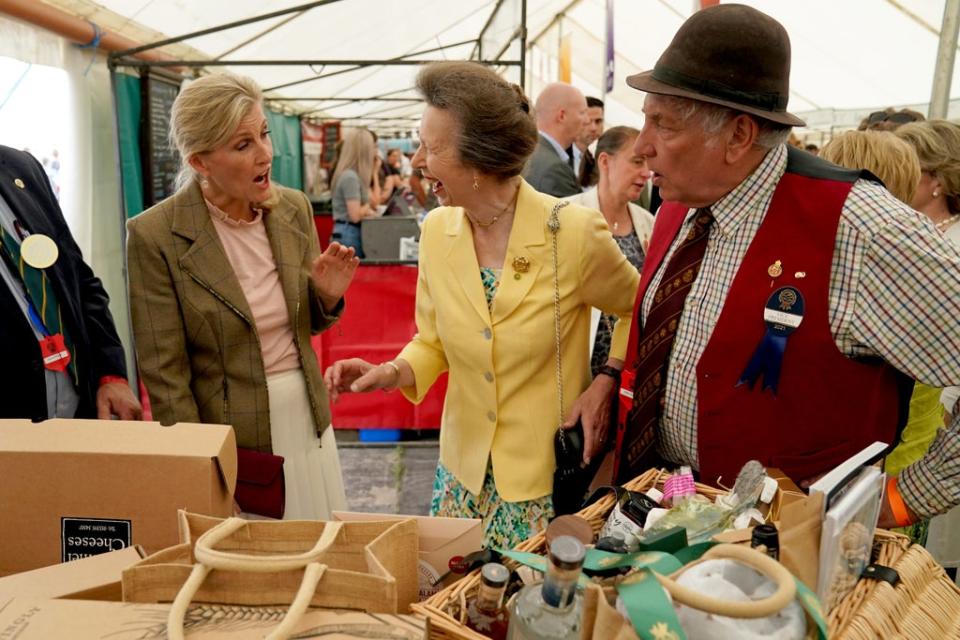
924,604
446,610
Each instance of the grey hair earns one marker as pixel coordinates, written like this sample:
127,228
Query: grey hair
714,117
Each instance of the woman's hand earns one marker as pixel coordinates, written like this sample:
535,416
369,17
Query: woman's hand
592,408
358,375
332,272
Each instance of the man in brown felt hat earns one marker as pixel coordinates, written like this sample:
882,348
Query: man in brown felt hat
786,304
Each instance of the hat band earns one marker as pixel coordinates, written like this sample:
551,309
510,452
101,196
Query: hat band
774,102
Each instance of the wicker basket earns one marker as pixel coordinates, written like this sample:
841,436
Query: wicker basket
925,603
446,609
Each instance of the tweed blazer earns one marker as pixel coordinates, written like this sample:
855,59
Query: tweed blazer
547,173
196,341
501,404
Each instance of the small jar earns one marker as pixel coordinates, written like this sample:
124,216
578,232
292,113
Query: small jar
767,536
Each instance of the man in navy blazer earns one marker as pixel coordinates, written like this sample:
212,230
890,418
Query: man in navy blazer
31,386
561,112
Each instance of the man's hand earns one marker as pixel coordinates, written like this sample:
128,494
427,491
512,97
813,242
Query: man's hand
592,408
332,273
116,399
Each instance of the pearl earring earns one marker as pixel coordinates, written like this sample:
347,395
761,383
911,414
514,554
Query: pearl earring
936,193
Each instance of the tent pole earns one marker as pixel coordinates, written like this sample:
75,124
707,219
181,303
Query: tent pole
523,46
946,54
223,27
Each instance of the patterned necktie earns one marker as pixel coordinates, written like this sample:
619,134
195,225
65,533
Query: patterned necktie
639,451
39,290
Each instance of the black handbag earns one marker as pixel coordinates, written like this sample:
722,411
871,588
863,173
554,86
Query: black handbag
570,478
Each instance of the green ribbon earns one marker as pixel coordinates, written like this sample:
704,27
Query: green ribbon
658,561
810,603
650,611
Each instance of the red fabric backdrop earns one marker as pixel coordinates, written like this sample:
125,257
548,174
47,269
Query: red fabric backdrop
377,322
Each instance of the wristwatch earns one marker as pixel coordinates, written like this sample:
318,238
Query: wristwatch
607,370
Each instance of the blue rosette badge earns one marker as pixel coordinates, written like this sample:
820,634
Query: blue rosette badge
782,314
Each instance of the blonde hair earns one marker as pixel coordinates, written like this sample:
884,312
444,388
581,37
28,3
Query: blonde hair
207,113
883,154
937,143
356,153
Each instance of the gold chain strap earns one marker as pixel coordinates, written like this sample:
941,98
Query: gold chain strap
554,225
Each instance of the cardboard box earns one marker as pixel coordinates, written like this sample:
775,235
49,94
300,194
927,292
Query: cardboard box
440,540
75,488
35,619
93,578
789,491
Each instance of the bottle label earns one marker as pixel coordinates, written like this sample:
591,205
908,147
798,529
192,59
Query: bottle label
617,523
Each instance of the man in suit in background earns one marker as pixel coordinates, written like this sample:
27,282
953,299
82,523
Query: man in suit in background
63,356
588,174
561,113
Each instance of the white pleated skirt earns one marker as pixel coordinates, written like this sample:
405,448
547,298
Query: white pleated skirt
311,465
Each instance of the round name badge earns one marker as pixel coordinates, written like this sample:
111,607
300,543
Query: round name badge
783,312
39,251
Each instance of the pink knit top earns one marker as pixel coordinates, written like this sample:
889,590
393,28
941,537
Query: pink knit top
249,252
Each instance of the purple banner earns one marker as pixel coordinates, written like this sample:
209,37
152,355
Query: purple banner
608,66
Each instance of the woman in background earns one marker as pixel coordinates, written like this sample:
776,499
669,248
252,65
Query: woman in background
350,187
227,283
623,174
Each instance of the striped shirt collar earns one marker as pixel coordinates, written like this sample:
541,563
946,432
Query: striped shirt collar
751,196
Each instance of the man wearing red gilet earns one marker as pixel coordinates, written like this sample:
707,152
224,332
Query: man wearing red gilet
785,304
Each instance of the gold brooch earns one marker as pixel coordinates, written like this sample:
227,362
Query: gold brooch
775,270
521,264
19,183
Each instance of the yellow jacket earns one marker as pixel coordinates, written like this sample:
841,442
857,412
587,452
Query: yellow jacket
501,399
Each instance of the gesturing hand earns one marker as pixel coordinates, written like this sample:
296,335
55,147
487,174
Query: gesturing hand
332,272
357,375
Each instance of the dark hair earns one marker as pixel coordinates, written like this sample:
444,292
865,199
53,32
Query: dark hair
614,138
594,102
889,119
497,133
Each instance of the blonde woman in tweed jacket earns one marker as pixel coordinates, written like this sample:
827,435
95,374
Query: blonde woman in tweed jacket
227,283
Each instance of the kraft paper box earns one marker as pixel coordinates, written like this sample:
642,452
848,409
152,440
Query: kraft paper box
75,488
36,619
93,578
440,540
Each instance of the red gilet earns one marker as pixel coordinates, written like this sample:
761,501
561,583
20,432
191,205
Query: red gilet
827,406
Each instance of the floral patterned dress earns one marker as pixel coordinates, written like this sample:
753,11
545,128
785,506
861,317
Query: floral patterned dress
505,524
631,248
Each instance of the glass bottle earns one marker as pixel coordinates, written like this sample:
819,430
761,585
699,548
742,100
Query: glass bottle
766,535
487,614
550,610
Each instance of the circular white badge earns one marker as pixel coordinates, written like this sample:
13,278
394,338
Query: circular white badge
39,251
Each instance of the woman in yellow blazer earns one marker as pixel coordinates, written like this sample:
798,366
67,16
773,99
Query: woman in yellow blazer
485,308
227,283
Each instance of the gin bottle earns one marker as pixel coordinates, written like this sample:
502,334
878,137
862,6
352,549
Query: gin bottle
550,610
487,614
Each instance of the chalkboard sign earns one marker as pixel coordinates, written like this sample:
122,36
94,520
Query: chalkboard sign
331,136
161,163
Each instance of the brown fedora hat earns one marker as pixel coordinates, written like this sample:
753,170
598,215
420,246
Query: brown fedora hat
727,54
